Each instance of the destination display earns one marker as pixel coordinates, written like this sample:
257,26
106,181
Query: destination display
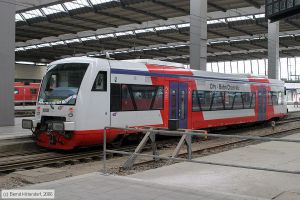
280,9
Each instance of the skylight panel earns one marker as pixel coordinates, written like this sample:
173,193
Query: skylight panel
30,47
218,42
88,38
181,45
18,18
76,4
72,41
20,49
232,19
163,47
32,14
25,62
97,2
147,30
105,36
259,16
124,33
162,28
184,25
57,43
216,21
43,45
53,9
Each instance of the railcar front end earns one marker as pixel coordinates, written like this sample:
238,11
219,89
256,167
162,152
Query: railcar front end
66,108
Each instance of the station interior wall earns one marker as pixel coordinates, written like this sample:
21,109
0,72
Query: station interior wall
29,73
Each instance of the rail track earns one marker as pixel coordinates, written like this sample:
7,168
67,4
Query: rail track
216,145
28,159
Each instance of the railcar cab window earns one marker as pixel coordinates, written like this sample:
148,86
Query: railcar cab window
61,84
129,97
218,100
100,83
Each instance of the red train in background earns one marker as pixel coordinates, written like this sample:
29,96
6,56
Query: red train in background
26,93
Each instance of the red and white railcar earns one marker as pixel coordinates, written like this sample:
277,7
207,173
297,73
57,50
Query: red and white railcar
80,96
25,93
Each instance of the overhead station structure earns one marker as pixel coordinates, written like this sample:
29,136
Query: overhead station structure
211,31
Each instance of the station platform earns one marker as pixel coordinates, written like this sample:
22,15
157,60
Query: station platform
198,181
7,132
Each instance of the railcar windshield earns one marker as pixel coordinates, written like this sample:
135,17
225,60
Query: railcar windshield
61,84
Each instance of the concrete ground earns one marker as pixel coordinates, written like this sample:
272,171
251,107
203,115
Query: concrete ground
96,186
16,130
255,183
198,181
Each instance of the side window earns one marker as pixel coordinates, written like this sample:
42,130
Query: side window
127,102
253,100
247,97
270,103
218,101
229,97
238,101
280,98
205,99
274,96
158,101
100,83
196,102
125,97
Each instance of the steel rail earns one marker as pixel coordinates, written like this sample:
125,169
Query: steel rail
180,133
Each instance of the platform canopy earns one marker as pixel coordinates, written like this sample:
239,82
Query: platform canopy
159,29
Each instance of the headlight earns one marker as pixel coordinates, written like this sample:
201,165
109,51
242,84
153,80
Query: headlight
27,124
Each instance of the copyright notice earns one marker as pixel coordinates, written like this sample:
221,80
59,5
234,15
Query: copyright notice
27,194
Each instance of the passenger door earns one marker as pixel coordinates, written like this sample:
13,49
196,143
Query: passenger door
262,104
178,103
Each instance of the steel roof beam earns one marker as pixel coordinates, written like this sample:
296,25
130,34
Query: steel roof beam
292,23
170,38
253,3
86,20
171,7
218,48
134,42
239,30
151,40
94,21
97,11
238,47
217,33
53,28
118,17
25,35
127,7
216,6
258,45
46,34
72,25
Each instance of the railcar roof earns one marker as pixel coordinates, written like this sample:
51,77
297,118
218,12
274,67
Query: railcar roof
140,66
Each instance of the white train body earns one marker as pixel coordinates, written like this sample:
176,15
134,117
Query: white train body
119,93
